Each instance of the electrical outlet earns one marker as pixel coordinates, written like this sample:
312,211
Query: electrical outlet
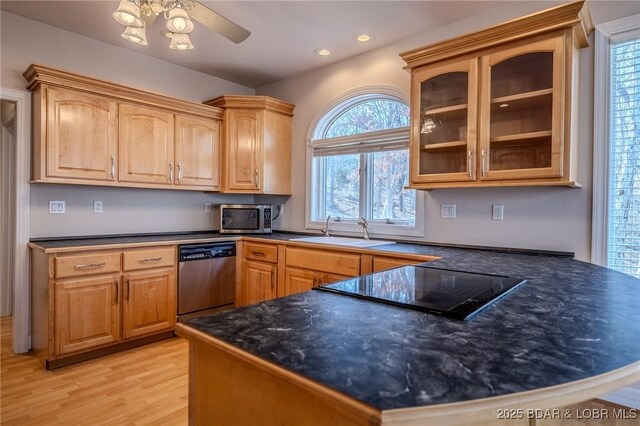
207,207
56,207
97,206
498,212
280,209
448,211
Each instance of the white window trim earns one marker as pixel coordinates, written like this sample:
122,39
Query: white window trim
350,227
600,208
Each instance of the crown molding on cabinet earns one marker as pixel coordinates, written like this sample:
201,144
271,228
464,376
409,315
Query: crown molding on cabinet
40,74
573,15
253,102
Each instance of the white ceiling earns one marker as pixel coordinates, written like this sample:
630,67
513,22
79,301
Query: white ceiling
284,34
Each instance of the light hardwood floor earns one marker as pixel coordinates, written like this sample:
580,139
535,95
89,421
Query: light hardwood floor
141,386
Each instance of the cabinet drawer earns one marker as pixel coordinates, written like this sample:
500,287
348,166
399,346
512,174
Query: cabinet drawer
89,264
261,252
149,258
325,261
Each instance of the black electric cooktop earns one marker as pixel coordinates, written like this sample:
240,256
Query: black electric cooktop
456,294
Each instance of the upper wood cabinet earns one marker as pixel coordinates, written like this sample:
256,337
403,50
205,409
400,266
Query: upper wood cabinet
146,145
92,132
497,107
83,136
197,152
256,148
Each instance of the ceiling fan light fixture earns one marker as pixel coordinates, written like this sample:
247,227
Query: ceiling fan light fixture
128,14
180,42
135,35
178,21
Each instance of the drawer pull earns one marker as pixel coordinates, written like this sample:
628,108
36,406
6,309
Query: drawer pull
258,253
89,265
151,259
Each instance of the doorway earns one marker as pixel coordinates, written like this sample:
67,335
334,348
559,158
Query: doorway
15,153
7,204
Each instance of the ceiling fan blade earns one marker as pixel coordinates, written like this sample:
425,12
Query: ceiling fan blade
218,23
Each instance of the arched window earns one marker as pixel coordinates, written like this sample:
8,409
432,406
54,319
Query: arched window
360,164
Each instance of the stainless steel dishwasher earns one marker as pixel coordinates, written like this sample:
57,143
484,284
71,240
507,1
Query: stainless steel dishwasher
206,277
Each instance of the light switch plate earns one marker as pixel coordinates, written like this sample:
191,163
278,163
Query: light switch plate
448,211
56,207
97,206
207,207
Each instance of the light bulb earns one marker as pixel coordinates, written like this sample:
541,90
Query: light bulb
180,42
178,21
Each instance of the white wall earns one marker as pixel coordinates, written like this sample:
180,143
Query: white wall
23,42
536,218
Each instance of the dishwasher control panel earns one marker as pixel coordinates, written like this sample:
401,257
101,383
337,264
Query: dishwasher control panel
206,251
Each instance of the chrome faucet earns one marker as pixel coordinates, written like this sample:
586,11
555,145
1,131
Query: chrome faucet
325,230
365,227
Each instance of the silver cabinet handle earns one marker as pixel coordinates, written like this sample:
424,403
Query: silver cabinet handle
89,265
470,164
171,172
151,259
117,287
257,178
113,166
484,172
179,172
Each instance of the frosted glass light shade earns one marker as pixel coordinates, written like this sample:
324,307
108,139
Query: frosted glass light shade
178,21
180,42
128,14
136,35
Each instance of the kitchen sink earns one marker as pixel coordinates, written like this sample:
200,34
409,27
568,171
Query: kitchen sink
343,241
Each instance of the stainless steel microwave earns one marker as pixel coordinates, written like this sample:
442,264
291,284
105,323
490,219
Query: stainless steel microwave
245,218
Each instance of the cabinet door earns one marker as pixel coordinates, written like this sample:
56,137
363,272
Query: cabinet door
258,283
324,279
299,280
244,150
82,136
150,302
443,123
146,145
87,313
522,109
197,152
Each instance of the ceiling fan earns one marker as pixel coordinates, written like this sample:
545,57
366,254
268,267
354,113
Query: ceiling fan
138,15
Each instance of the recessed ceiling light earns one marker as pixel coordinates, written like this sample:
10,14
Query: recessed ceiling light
503,105
322,51
362,37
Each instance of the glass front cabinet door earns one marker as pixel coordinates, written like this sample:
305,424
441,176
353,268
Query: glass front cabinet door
443,140
522,104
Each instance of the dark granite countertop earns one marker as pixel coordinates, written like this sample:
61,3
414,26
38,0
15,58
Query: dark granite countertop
572,320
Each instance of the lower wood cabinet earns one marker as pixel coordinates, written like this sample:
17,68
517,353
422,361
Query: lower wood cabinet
301,280
150,302
382,263
259,281
96,301
87,313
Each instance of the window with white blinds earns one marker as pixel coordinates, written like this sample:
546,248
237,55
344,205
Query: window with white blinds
623,248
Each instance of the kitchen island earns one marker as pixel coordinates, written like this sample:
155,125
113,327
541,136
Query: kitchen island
571,333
